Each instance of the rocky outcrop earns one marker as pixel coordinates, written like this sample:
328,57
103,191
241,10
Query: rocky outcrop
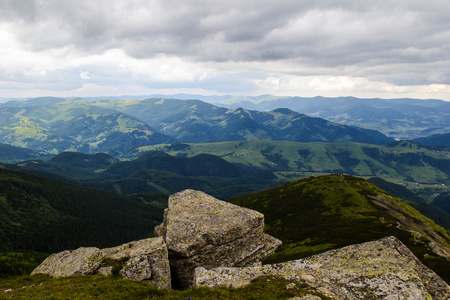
201,231
81,261
384,269
143,260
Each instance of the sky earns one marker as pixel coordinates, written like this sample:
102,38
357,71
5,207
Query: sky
81,48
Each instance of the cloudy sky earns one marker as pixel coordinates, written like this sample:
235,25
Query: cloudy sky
376,48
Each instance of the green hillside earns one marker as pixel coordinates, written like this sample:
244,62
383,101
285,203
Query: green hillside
321,213
75,126
402,162
153,172
73,166
48,216
116,126
435,140
196,121
11,154
397,118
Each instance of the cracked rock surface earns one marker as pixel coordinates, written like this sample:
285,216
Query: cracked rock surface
202,231
143,260
383,269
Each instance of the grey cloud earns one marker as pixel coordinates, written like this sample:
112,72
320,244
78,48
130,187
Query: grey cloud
342,37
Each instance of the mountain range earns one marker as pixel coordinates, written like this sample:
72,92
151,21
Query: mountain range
116,126
402,119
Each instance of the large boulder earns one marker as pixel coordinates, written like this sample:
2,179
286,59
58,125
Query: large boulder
143,260
81,261
383,269
201,231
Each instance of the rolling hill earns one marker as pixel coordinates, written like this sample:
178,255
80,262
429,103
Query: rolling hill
251,166
115,126
196,121
315,214
154,172
403,119
72,125
12,154
46,215
403,162
435,140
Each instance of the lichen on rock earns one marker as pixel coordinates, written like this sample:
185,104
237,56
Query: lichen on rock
82,261
374,270
146,260
200,230
143,260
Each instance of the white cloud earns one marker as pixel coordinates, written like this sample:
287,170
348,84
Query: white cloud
322,47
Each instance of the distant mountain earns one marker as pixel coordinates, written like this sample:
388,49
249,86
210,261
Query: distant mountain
196,121
39,101
405,161
53,126
199,165
45,215
116,126
70,166
153,172
398,118
327,212
435,140
12,154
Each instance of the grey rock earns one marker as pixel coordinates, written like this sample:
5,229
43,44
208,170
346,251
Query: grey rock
290,286
201,231
82,261
143,260
307,297
105,271
383,269
146,260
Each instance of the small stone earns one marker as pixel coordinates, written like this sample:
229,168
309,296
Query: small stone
290,286
106,271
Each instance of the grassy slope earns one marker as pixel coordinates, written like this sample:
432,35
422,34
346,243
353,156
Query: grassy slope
320,213
100,287
11,154
47,215
154,172
74,126
400,162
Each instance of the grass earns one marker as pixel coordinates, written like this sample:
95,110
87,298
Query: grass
101,287
403,161
320,213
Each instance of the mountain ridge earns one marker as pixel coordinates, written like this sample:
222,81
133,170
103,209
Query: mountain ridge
117,126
